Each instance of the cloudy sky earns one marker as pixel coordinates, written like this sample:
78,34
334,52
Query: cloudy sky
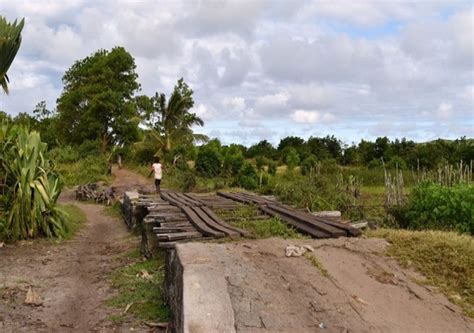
268,69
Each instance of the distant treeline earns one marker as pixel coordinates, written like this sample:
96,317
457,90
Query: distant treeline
402,152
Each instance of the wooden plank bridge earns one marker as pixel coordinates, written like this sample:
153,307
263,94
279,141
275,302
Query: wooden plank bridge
180,217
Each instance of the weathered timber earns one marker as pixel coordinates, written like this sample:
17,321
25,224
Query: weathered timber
200,224
218,220
306,219
304,228
177,236
213,224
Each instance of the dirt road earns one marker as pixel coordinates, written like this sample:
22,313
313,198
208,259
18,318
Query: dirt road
70,277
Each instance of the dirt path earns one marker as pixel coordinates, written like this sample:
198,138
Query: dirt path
70,277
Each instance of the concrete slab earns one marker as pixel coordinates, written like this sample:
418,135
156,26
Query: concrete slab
205,302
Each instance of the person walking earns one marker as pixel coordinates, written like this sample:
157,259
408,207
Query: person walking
157,169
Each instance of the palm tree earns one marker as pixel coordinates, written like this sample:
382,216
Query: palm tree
10,40
171,121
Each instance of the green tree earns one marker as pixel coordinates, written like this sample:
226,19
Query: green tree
171,120
10,41
291,157
97,101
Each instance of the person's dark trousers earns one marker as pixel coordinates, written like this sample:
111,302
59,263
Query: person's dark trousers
157,185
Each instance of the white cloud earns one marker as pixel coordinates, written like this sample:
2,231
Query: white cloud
343,67
444,111
312,117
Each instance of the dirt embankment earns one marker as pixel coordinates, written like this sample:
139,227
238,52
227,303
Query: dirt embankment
355,289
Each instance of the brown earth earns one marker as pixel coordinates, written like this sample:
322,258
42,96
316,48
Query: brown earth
360,290
70,277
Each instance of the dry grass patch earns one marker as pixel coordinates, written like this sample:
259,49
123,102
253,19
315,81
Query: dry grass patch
446,259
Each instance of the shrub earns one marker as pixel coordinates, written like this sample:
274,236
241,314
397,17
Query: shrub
247,177
88,148
308,166
143,153
291,158
433,206
376,163
272,168
208,162
66,154
88,170
259,162
397,162
233,163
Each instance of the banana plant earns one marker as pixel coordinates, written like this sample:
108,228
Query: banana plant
10,41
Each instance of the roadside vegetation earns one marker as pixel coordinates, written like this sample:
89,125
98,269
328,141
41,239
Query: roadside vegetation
446,259
140,289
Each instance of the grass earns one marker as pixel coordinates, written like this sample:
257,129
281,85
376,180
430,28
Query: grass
84,171
266,228
115,210
318,264
446,259
144,294
76,218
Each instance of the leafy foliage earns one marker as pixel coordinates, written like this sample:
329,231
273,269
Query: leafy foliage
208,162
433,206
97,103
32,189
171,121
247,177
10,41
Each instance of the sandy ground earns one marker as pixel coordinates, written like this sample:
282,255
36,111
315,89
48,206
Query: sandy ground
70,277
364,291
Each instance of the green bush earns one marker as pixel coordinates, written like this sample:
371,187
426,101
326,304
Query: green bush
89,148
433,206
443,207
208,162
272,168
259,162
247,177
308,166
397,162
233,163
66,154
291,157
87,170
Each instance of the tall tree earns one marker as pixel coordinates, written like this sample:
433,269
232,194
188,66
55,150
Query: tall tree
10,41
97,101
171,121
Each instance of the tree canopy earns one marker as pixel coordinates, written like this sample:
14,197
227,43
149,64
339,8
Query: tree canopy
171,120
97,102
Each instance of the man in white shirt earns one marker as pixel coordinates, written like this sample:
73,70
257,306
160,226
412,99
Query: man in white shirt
156,168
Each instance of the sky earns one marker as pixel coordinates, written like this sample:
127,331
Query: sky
267,69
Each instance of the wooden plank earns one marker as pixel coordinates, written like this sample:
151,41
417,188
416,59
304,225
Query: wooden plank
174,224
347,228
306,219
234,197
199,224
162,230
218,220
178,235
213,224
297,225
